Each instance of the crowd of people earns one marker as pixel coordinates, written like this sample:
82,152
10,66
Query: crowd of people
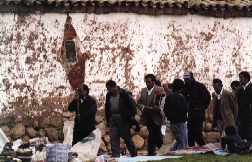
183,103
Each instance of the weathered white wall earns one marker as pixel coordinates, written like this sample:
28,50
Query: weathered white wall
123,47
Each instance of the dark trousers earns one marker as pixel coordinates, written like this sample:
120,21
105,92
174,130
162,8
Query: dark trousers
242,129
155,138
119,128
195,128
245,130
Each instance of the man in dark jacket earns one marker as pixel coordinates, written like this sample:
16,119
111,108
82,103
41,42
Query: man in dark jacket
198,99
85,108
175,110
120,110
244,96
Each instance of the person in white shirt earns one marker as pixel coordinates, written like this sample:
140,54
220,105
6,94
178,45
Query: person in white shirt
225,107
149,104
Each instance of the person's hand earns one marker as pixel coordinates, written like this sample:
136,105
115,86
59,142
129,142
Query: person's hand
108,125
141,107
136,128
138,106
214,127
76,96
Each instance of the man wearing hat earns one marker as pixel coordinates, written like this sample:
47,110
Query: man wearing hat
198,99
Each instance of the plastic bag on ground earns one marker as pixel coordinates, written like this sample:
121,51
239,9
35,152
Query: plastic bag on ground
3,140
87,149
39,156
16,144
39,141
76,160
163,130
57,152
145,158
68,132
102,158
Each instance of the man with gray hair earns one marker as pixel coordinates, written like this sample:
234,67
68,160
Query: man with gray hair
198,99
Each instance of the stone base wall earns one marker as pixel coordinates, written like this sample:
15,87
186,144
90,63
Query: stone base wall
51,125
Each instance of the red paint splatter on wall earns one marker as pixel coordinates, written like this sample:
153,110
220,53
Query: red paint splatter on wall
76,70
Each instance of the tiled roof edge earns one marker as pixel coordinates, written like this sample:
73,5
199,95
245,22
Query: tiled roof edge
140,7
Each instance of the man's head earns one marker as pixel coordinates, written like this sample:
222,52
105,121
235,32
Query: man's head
235,85
158,83
111,87
83,90
217,85
150,80
188,78
244,77
178,85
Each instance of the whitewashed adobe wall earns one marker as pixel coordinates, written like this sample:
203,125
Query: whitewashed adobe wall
123,47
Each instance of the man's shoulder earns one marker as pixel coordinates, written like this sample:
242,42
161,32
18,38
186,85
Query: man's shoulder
227,92
159,89
250,87
170,96
92,98
249,90
199,84
175,96
239,91
124,92
143,90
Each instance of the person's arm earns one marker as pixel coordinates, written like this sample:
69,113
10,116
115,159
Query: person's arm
140,103
132,104
250,97
107,110
93,109
132,110
184,104
140,99
206,97
214,112
72,106
233,106
152,107
166,107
